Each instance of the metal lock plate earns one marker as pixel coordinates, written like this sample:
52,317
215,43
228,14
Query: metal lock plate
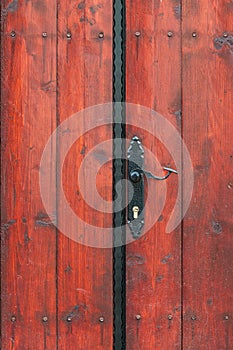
136,175
136,190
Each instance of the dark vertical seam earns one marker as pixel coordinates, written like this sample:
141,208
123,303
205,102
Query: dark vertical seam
56,165
1,109
182,168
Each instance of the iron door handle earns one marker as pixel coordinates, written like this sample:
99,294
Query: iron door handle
136,175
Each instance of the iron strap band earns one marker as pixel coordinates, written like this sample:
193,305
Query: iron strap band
119,173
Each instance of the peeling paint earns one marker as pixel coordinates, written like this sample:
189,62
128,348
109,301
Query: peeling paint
135,260
177,11
166,259
5,227
81,5
44,220
159,278
217,227
13,6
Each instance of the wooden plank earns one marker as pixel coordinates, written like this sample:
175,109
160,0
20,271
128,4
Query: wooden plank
28,259
208,129
153,263
84,79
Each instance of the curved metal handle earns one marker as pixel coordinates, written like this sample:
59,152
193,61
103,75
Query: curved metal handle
169,172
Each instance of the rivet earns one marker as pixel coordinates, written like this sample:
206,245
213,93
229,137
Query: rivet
137,34
193,318
44,35
169,34
45,319
135,138
69,319
226,317
13,318
138,317
194,34
170,317
68,35
225,34
13,34
101,319
101,35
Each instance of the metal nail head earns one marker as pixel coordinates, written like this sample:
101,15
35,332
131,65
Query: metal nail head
13,318
137,34
194,34
68,35
101,35
44,35
170,317
13,34
138,317
69,318
101,319
169,34
225,34
45,319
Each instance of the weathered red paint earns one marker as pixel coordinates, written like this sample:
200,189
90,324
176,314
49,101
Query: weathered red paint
47,277
207,130
84,273
28,258
57,293
153,79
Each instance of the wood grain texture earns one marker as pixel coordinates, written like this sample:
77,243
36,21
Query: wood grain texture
28,259
207,130
153,68
84,79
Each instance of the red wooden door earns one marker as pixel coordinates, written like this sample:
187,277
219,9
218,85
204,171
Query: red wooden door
65,282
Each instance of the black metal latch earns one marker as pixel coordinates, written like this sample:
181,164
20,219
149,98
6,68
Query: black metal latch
136,190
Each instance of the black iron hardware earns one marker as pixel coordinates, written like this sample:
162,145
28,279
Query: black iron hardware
136,175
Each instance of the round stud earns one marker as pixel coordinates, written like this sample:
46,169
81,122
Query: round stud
169,34
13,318
69,319
44,35
226,317
225,34
101,319
170,317
13,34
194,34
45,319
193,318
68,35
138,317
101,35
137,34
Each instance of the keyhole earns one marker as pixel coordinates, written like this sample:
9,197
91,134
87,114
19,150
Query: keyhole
135,212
